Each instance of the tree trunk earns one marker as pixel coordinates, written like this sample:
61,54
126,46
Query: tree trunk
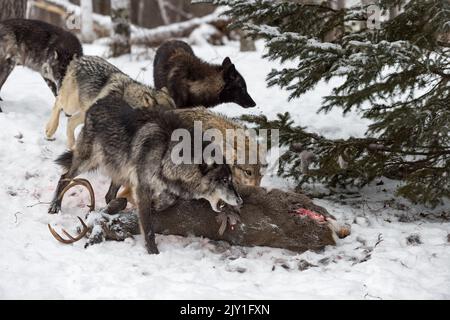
141,14
393,12
12,9
87,22
120,16
246,43
154,37
341,5
163,11
102,7
266,219
338,31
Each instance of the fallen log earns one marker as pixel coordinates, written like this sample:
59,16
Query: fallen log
156,36
268,218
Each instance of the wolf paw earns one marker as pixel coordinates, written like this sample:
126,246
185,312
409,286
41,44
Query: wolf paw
152,249
49,132
54,208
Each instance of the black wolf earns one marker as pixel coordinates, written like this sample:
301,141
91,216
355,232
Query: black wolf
192,82
133,147
43,47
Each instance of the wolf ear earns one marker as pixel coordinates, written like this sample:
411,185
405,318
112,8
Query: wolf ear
205,167
229,72
226,62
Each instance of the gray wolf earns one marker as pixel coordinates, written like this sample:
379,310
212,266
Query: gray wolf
133,147
247,173
192,82
91,78
40,46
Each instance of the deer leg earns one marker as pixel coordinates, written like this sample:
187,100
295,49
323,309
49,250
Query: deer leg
112,192
116,205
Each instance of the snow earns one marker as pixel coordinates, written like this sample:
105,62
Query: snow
119,4
168,30
374,262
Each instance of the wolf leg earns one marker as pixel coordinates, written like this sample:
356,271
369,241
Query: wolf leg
52,86
143,193
55,205
77,168
75,162
6,67
53,122
72,123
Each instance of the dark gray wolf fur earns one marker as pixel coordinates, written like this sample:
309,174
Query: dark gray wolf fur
91,78
243,173
192,82
133,147
40,46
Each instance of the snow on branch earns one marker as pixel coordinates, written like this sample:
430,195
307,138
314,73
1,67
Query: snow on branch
140,35
72,9
176,30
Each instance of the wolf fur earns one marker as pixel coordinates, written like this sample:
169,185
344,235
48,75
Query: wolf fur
133,147
192,82
40,46
244,174
91,78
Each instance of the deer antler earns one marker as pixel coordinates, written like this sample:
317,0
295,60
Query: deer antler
80,182
71,238
75,182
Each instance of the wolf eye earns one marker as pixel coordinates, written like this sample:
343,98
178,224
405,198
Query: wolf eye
225,180
248,172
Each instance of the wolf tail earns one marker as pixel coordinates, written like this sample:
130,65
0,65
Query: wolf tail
65,160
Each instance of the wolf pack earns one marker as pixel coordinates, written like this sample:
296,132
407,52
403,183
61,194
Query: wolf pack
127,125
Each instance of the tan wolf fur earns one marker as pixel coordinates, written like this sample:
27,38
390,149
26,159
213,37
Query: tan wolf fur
243,173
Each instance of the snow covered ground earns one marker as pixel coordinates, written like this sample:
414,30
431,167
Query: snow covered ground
395,251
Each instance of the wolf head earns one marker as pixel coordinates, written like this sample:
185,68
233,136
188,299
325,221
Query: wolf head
55,66
217,183
50,69
235,88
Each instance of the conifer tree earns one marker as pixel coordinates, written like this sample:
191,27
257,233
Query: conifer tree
395,71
